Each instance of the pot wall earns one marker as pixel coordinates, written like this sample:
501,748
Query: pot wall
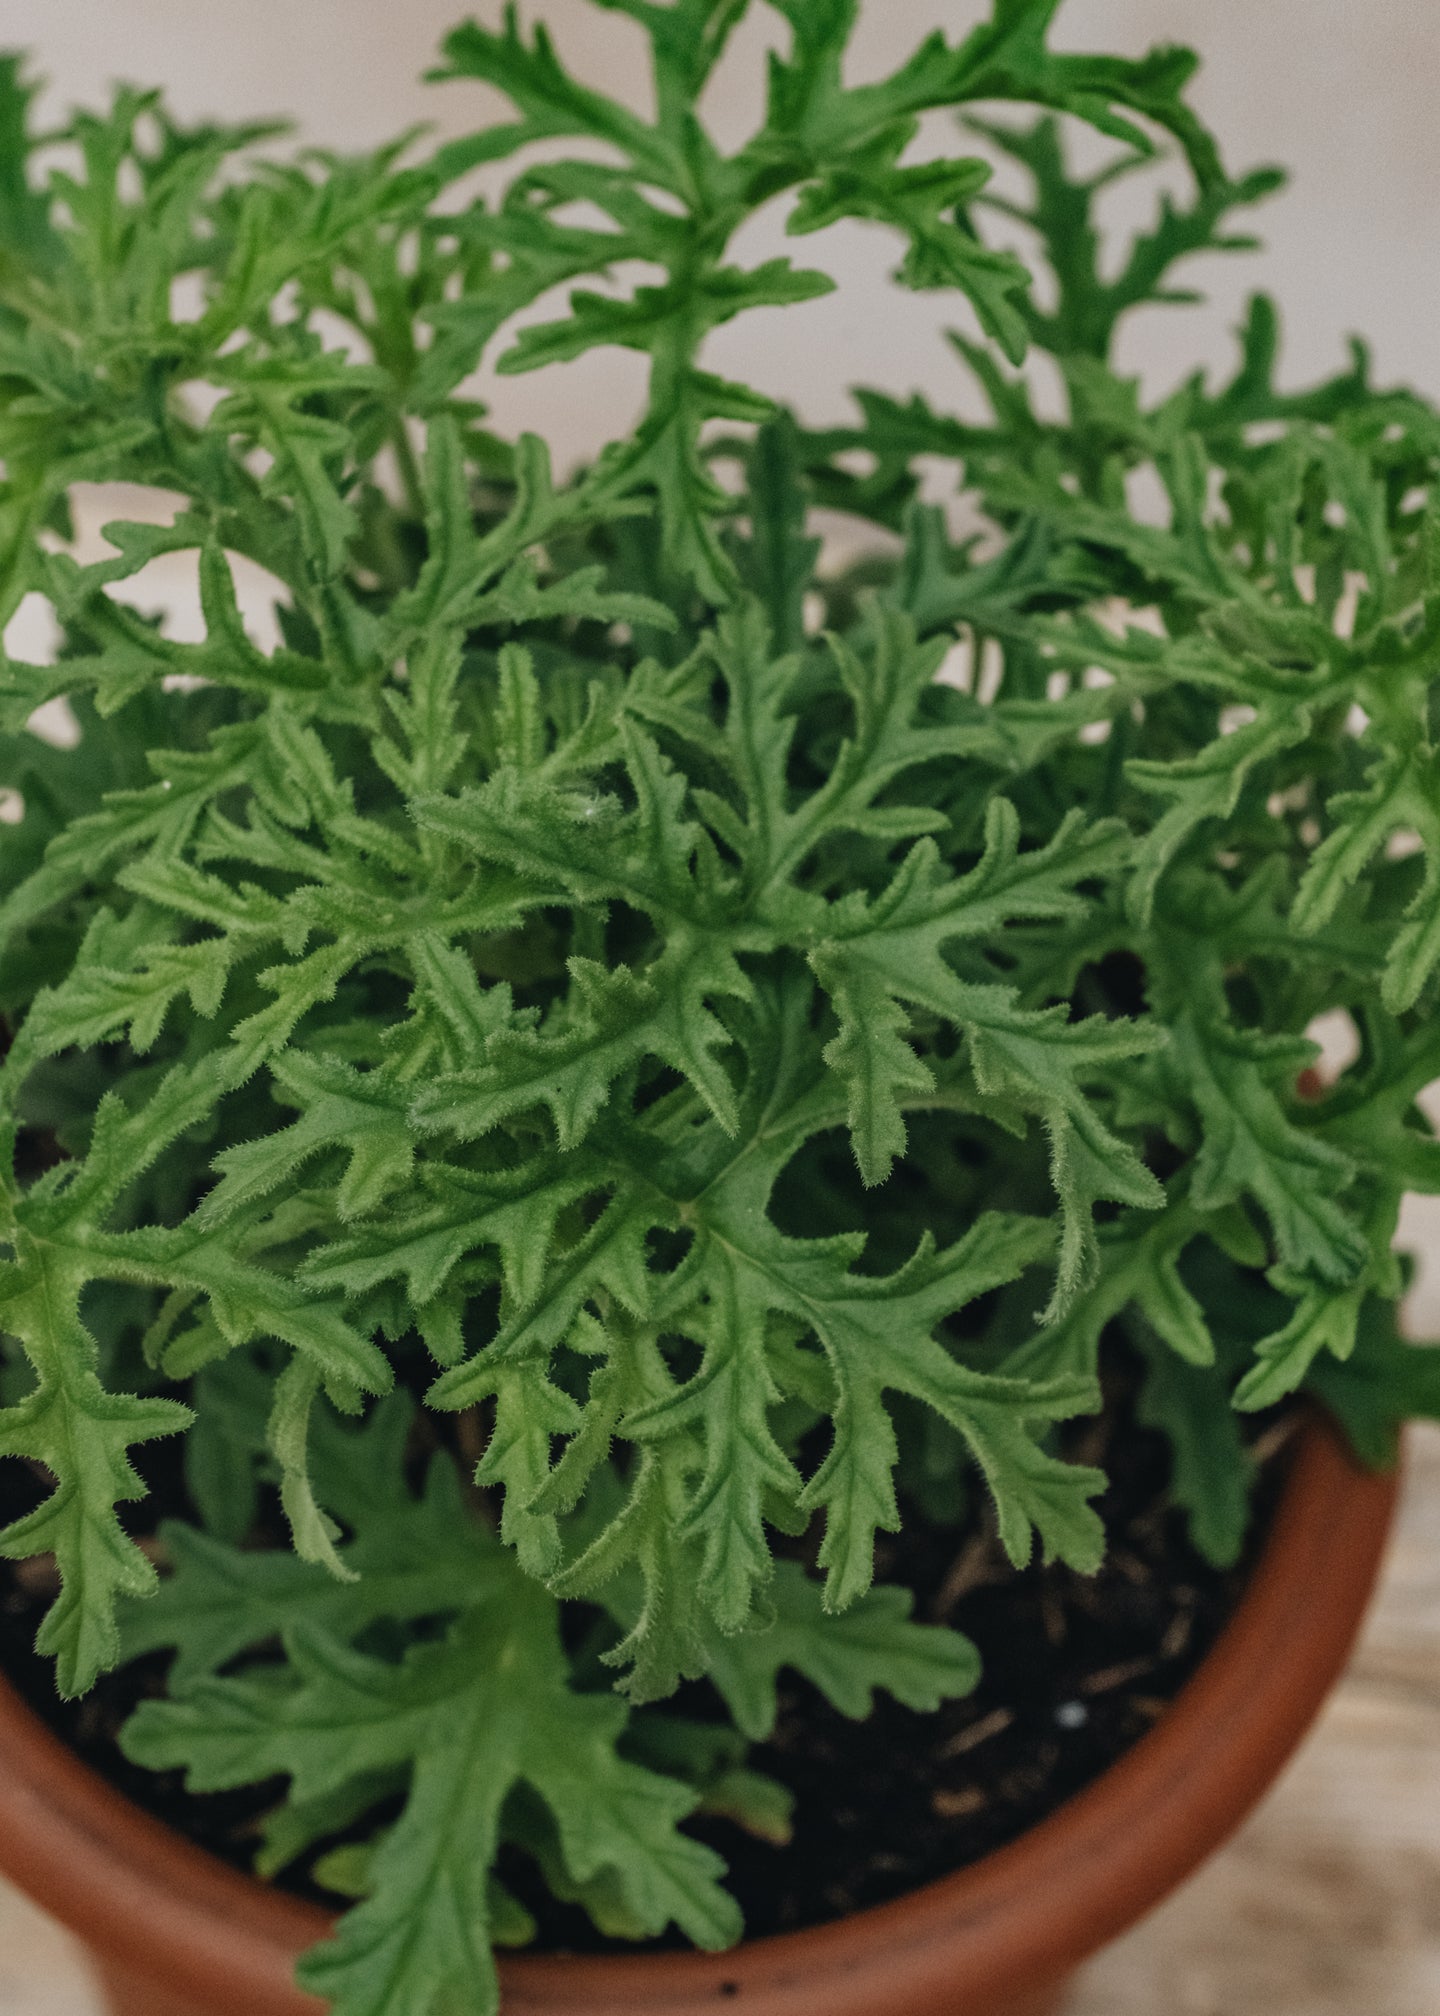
176,1933
131,1995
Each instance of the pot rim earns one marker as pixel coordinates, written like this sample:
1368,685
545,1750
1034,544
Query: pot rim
149,1902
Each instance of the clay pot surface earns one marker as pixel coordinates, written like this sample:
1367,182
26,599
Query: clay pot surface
177,1933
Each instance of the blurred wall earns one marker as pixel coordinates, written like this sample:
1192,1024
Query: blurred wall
1341,91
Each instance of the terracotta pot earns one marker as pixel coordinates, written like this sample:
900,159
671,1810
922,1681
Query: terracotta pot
176,1933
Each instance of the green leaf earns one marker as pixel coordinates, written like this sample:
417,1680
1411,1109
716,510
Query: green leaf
406,1557
730,1400
530,1411
82,1435
894,947
874,1646
1204,788
780,556
1138,1269
877,1335
363,1113
1384,1382
1211,1469
1403,796
1252,1146
470,1718
942,251
613,1019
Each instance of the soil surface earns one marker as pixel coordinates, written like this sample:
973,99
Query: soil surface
1075,1670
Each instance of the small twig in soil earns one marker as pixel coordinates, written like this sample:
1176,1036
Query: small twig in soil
1111,1677
1131,1567
38,1576
973,1568
976,1733
1275,1437
958,1805
1177,1632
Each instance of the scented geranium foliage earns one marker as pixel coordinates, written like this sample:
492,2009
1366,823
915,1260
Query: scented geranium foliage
613,1059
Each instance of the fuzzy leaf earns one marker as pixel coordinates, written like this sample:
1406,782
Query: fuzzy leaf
875,1645
470,1718
82,1435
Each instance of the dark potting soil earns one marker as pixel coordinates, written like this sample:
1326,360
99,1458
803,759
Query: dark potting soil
1075,1670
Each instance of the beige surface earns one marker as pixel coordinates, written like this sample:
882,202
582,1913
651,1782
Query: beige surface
1327,1904
41,1974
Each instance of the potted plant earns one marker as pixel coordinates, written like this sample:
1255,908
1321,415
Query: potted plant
625,1063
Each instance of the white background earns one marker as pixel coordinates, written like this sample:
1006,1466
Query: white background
1342,91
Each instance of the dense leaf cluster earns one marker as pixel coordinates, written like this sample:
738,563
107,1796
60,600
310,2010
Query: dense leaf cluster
699,1038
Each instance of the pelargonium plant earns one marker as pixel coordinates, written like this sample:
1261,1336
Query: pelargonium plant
628,1041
